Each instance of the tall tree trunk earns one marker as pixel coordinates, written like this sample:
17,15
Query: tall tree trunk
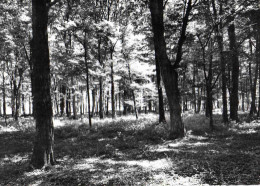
62,99
243,98
253,91
68,109
258,112
168,71
254,17
74,108
235,72
184,97
199,100
209,105
160,93
101,105
12,95
17,104
43,154
112,86
224,81
87,73
195,72
119,101
23,103
4,96
124,104
93,101
107,103
219,33
247,96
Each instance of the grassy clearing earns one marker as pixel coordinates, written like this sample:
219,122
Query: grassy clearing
130,152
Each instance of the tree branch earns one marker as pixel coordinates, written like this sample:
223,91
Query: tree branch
27,56
214,84
183,36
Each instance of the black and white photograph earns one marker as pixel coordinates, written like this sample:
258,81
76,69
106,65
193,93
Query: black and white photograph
129,92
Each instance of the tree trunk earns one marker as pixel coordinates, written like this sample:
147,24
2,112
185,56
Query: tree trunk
219,33
93,101
101,107
160,93
235,72
253,92
43,154
62,100
255,15
257,37
68,110
168,71
73,100
195,72
87,73
209,87
112,86
107,112
12,96
17,104
4,96
119,102
242,90
150,105
124,104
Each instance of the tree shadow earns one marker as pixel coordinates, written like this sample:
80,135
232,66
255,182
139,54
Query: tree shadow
117,155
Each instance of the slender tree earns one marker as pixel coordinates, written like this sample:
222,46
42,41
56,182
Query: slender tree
235,72
219,37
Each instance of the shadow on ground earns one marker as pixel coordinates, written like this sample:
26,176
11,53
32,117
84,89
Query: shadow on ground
123,153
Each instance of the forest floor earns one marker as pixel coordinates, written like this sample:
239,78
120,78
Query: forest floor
130,152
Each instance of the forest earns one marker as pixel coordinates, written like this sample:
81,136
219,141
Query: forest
129,92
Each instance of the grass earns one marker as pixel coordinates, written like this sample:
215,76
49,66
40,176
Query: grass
129,152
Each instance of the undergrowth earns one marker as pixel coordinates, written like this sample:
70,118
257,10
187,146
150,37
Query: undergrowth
126,151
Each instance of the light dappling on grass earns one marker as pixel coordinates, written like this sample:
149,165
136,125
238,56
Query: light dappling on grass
126,151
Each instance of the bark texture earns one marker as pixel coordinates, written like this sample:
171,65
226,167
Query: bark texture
235,72
160,93
43,154
168,71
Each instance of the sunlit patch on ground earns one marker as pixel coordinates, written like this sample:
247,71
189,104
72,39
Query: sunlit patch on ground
7,129
14,159
126,151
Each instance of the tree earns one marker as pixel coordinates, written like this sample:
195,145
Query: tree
160,93
235,72
168,70
219,37
43,153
